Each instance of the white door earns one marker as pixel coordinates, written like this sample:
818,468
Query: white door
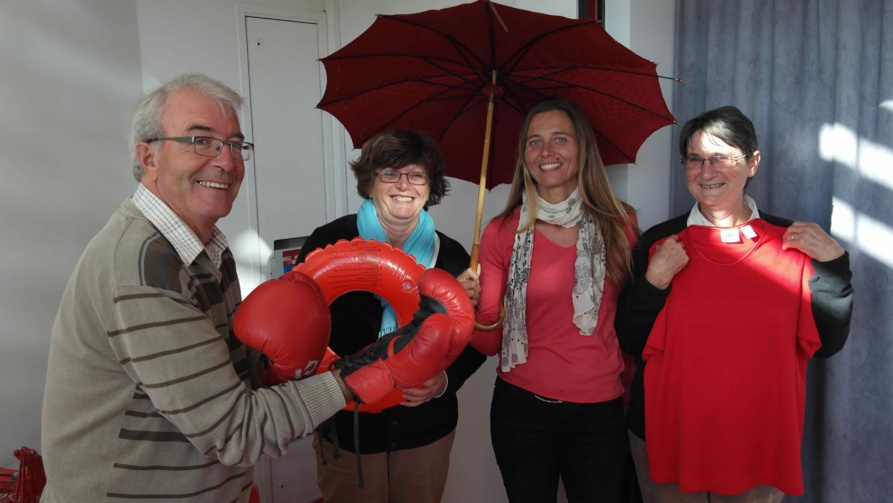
291,183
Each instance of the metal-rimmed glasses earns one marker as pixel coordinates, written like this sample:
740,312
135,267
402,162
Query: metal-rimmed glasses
694,162
388,175
208,146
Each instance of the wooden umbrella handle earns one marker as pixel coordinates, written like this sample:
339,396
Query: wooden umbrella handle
479,216
478,325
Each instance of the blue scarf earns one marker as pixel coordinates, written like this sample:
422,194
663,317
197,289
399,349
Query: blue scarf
422,245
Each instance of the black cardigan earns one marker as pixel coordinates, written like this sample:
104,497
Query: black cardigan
356,320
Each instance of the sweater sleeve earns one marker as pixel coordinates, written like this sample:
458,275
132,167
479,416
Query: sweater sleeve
639,303
454,259
832,303
494,271
832,297
181,362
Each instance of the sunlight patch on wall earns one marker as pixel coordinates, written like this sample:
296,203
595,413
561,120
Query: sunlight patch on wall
248,244
871,160
888,105
868,160
871,236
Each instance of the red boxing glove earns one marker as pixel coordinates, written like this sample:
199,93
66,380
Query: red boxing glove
288,321
406,357
442,293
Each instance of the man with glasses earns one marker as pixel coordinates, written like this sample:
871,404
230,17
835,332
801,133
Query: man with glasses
149,395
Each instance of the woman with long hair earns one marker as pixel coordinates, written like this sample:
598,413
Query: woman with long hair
557,257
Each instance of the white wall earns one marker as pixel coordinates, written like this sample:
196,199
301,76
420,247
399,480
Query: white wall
648,27
70,76
72,71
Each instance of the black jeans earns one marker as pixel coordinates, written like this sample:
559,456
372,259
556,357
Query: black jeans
537,440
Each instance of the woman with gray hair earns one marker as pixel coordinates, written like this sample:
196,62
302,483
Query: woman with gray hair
725,305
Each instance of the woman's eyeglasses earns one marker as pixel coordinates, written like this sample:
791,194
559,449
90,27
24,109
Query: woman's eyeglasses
392,176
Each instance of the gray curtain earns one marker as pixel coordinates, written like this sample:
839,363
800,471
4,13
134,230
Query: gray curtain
816,77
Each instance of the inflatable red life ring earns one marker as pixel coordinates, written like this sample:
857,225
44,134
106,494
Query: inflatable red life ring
369,266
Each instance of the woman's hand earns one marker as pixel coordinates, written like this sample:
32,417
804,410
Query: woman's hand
471,282
669,258
413,397
812,240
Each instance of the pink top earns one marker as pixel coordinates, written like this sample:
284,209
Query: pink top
561,363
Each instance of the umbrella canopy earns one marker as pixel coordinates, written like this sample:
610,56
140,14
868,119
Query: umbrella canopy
436,71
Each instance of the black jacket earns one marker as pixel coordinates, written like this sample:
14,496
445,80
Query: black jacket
356,320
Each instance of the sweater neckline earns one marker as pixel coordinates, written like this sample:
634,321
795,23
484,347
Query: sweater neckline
726,245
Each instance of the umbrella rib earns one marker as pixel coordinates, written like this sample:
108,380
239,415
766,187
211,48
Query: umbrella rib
563,85
440,134
512,61
469,104
461,49
474,84
335,57
598,69
422,79
435,62
616,147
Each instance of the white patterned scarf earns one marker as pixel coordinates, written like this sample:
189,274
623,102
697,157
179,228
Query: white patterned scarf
588,287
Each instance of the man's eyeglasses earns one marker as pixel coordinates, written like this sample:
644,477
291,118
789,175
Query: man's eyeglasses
414,177
694,162
209,146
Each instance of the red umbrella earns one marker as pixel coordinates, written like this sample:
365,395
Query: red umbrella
465,72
